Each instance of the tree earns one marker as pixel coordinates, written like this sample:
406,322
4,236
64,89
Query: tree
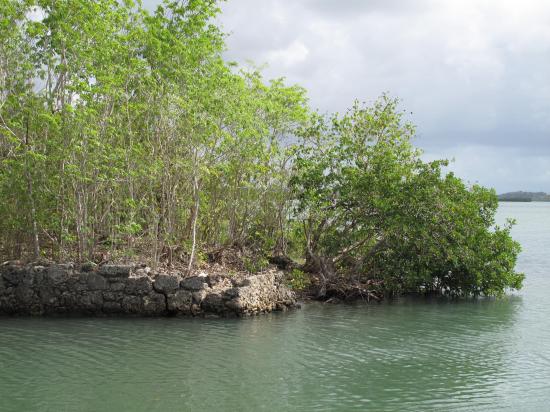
373,211
125,132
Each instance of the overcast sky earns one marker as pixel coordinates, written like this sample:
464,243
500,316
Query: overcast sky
474,73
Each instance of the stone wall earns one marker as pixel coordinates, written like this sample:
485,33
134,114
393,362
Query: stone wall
119,289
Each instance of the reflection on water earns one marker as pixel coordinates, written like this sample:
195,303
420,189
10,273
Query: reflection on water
410,354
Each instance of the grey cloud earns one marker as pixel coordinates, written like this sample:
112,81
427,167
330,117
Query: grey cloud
351,8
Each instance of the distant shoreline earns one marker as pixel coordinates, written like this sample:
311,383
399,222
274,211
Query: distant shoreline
522,201
521,196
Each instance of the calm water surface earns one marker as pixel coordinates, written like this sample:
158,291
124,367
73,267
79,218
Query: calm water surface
407,355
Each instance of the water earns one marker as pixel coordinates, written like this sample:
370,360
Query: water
408,355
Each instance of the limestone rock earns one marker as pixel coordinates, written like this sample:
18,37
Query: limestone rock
48,296
166,283
96,282
24,295
115,271
214,303
194,283
154,304
109,296
88,267
117,286
90,300
144,271
112,307
179,302
199,296
138,286
40,289
132,304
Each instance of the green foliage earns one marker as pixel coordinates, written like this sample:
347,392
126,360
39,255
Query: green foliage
255,264
201,257
298,280
124,131
372,209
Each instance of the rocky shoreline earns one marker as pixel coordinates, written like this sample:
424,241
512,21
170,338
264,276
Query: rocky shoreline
89,290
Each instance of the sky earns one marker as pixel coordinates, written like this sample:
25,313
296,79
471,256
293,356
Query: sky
474,75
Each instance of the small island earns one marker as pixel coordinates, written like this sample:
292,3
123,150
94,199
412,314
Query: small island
129,143
184,232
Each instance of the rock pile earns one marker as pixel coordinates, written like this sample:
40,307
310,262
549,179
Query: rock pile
42,289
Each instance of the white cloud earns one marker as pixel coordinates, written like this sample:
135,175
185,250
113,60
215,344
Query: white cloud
295,53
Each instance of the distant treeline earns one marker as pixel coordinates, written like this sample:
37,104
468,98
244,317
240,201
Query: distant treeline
524,197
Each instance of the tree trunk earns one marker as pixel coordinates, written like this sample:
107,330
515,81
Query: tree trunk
195,219
36,240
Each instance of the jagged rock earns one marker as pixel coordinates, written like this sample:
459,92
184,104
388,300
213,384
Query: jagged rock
96,282
90,300
166,283
43,262
109,296
214,280
179,302
234,305
12,263
132,304
57,274
231,293
282,262
199,296
12,274
194,283
115,271
24,294
88,267
39,289
117,286
144,271
48,297
112,307
26,279
154,304
138,286
240,282
69,302
214,303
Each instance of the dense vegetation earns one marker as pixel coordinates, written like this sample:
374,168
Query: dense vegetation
125,133
372,209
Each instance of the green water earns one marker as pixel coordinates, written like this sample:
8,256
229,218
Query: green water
407,355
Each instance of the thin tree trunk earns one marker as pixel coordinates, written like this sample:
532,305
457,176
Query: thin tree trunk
195,219
36,240
79,224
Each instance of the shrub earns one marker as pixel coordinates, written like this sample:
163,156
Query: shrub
372,209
